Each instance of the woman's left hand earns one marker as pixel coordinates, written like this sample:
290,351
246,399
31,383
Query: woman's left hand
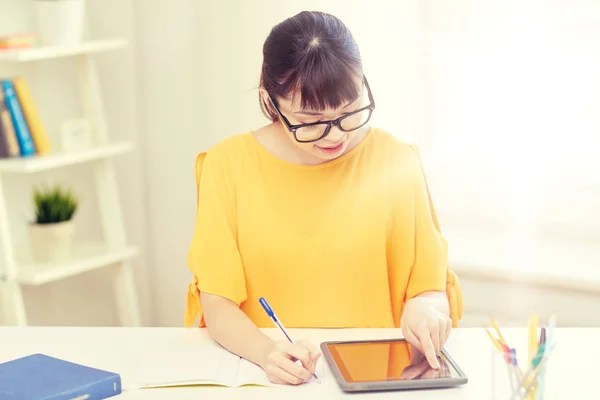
425,327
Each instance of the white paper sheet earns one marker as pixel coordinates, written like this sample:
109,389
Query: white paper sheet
204,365
178,366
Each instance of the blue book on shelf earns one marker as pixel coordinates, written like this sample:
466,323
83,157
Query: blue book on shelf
18,118
41,377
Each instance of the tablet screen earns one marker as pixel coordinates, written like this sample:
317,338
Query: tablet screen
386,361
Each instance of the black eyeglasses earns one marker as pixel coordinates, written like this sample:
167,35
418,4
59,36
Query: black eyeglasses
312,132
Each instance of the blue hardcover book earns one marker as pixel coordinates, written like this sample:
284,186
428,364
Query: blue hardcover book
41,377
18,118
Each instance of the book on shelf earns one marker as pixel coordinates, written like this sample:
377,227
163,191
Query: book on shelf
22,132
9,147
17,41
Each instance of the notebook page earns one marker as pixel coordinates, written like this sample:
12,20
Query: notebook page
251,374
181,366
228,369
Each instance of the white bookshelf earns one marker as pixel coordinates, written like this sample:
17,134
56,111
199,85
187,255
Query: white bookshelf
86,257
51,52
19,269
63,159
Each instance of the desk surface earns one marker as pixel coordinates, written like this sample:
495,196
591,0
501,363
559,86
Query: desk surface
572,371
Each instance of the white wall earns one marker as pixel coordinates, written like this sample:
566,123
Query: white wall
199,63
188,80
86,299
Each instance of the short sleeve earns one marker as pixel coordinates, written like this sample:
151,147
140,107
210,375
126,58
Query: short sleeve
213,256
430,271
417,252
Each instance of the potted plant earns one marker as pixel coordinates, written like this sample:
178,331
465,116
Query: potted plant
60,22
52,231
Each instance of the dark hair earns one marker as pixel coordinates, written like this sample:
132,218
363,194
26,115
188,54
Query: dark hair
315,54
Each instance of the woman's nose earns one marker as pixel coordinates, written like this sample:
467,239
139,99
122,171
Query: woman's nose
335,134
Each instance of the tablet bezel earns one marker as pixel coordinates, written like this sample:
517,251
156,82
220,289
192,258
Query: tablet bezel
390,385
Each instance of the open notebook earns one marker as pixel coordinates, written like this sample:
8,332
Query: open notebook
208,364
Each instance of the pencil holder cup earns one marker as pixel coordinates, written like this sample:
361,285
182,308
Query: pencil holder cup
515,382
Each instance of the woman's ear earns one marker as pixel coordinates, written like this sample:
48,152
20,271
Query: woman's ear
267,105
265,97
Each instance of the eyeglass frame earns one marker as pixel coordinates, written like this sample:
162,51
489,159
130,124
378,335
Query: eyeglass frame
337,122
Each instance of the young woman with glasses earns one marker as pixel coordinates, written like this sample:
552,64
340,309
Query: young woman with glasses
326,217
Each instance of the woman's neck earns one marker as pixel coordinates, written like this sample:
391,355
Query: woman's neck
277,140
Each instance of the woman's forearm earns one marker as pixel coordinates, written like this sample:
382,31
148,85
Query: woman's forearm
232,329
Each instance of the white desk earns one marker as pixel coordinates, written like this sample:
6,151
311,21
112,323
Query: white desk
572,373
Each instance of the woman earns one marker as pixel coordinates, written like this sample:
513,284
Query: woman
326,217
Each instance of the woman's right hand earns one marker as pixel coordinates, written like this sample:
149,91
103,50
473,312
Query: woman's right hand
419,367
281,366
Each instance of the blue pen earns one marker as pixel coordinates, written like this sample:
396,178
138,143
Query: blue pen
272,315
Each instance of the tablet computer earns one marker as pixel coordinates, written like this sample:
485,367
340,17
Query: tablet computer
392,364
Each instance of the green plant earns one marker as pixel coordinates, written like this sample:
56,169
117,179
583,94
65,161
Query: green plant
53,205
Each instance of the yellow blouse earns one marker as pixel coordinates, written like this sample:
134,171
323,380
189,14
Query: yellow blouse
340,244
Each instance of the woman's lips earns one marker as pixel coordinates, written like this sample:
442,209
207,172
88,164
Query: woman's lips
331,150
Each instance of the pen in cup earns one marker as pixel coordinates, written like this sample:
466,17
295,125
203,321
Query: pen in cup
273,317
547,338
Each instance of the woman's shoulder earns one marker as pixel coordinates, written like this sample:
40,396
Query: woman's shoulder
229,148
224,157
393,148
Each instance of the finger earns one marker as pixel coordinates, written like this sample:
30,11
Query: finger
299,353
311,367
434,333
442,334
445,328
278,375
428,348
313,350
416,355
412,339
293,368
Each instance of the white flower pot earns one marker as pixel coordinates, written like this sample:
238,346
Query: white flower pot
60,22
51,243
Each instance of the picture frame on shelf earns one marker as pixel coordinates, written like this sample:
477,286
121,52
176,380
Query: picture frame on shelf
76,135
